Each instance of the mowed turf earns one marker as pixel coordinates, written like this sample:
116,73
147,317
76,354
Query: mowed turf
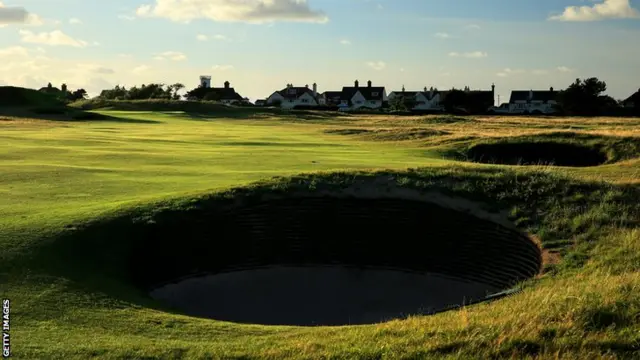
56,171
55,176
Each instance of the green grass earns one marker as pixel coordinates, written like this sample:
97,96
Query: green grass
60,181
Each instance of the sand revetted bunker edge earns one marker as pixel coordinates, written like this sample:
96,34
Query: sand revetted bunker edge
569,149
106,249
362,226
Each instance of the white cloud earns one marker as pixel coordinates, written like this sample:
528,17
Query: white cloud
222,67
53,38
508,71
139,69
251,11
126,17
607,9
472,27
472,55
345,42
442,35
171,55
221,37
75,21
564,69
202,37
377,65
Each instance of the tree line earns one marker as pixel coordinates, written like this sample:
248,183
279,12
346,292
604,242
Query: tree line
143,92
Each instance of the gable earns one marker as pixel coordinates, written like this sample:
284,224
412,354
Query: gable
275,96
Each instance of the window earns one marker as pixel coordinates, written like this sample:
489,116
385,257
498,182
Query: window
374,94
359,102
305,100
291,100
372,101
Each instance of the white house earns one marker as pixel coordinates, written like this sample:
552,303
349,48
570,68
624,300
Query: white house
532,101
357,97
291,96
428,99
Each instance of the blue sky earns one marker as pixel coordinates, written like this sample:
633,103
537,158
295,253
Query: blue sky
261,45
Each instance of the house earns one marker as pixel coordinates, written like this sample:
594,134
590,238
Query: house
356,97
292,96
632,101
50,89
226,95
260,102
533,101
427,99
330,98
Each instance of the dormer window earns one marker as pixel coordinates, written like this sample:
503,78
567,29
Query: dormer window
292,91
374,93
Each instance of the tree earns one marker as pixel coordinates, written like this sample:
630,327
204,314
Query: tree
78,95
584,97
455,99
176,88
402,103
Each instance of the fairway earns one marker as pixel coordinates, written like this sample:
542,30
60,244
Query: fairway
78,200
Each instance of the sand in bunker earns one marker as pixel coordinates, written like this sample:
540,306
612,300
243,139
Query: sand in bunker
316,295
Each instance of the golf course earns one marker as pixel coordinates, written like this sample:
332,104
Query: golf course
99,211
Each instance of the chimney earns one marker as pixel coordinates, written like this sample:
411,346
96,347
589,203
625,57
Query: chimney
226,84
306,86
315,89
493,88
402,88
551,89
356,83
425,89
369,83
530,94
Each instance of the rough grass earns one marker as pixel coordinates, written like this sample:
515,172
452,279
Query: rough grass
61,178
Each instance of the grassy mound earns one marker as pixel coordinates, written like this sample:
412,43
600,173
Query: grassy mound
560,149
11,96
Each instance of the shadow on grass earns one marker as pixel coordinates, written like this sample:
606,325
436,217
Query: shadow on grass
63,114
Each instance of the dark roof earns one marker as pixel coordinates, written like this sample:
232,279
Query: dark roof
635,97
366,91
407,93
331,94
49,89
538,95
295,92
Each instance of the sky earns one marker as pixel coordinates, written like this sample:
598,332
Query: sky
259,46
